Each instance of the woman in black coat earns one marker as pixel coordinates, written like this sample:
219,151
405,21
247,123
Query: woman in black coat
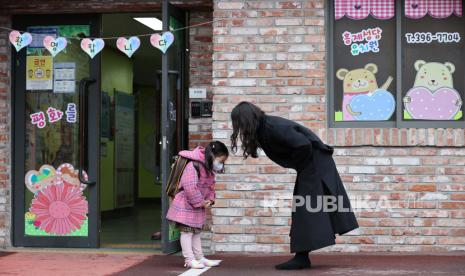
291,145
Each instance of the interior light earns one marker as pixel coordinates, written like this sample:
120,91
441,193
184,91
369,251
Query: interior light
151,22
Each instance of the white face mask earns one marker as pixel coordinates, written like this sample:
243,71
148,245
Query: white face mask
218,166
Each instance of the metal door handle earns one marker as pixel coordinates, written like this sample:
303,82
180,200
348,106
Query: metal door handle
83,132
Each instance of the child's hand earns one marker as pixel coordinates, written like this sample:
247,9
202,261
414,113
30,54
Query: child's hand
207,203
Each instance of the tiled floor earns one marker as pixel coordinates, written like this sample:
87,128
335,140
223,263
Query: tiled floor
134,229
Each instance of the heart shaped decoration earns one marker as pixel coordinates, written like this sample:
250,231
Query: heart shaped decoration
37,180
19,40
162,42
378,106
128,46
423,104
71,176
92,47
55,45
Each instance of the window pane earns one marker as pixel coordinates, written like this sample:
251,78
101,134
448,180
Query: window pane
365,69
433,82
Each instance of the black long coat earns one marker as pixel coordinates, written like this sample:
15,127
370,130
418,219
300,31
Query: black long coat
291,145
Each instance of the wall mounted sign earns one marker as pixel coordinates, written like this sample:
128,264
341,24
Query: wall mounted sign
39,33
19,40
198,93
65,77
128,46
39,73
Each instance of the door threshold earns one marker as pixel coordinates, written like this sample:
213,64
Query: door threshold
102,250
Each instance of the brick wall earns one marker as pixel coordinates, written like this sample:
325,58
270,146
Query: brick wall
5,135
273,53
200,72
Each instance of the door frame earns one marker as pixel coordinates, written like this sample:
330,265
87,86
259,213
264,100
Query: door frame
169,10
21,22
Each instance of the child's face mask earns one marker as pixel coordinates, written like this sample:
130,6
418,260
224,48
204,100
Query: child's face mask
218,166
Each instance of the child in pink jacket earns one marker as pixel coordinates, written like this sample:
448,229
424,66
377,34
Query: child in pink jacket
196,193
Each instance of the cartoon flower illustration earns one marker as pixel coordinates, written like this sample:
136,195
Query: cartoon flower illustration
61,209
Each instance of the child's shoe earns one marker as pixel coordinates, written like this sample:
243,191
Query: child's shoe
207,262
194,264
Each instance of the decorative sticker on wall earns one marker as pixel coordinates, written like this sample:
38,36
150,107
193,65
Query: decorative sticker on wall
128,46
162,42
428,37
38,119
55,45
70,112
363,100
361,9
19,40
364,41
92,47
435,8
59,207
433,96
54,115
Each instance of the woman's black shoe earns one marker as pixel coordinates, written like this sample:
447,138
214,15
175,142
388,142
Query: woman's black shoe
300,261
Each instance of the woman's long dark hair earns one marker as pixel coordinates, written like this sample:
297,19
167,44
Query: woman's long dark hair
246,118
214,149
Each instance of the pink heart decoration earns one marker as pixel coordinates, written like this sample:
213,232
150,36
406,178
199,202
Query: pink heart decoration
128,46
19,40
55,45
438,105
162,42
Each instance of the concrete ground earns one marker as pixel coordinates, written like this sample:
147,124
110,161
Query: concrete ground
88,262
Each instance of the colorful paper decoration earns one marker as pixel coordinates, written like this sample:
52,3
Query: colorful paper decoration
433,96
362,81
378,106
92,47
162,42
70,176
36,180
55,45
128,46
435,8
19,40
361,9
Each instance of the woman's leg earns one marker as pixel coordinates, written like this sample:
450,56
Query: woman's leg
197,246
186,245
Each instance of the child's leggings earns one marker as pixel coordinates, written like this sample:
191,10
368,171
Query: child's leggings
191,246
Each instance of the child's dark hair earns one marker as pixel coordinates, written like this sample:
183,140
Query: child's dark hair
214,149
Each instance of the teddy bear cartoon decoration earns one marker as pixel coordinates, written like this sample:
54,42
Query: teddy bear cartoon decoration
433,96
363,100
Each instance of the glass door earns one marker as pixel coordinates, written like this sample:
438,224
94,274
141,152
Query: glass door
56,135
173,111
